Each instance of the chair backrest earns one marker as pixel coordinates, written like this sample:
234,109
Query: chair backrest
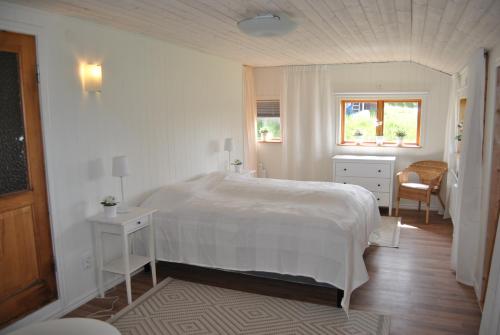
430,170
432,164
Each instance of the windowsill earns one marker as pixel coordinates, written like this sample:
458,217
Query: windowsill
385,145
269,141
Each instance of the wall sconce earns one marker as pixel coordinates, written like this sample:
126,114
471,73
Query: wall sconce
92,77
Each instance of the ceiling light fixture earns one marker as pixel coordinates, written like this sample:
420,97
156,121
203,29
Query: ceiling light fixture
267,25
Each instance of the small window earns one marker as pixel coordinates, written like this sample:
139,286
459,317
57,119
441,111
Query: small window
268,121
369,119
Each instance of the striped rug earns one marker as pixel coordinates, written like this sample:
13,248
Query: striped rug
181,307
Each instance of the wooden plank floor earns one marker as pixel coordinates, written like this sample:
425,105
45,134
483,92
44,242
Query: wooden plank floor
413,284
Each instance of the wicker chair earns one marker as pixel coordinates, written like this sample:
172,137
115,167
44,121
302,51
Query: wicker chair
430,174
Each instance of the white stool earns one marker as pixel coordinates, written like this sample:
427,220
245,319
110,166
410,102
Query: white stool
70,326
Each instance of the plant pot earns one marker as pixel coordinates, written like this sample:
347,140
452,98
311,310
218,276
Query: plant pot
265,136
379,140
399,141
110,211
358,139
459,146
237,168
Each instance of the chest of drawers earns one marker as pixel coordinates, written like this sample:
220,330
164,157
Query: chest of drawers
375,173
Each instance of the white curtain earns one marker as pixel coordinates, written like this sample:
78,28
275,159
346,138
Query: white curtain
308,124
250,108
468,231
490,323
450,142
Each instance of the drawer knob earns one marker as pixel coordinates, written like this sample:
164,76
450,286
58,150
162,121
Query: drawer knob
379,170
378,185
345,183
345,169
138,222
378,198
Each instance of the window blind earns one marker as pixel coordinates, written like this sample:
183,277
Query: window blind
268,108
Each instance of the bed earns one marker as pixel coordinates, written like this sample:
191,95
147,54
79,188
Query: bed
227,221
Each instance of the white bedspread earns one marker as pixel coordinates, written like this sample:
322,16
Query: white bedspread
314,229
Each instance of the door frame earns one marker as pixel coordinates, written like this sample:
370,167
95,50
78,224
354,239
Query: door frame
491,221
54,308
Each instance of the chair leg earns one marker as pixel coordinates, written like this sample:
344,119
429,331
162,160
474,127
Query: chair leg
427,213
397,207
419,205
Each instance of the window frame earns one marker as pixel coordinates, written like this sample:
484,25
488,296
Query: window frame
380,117
278,140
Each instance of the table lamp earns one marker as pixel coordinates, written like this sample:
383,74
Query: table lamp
121,169
228,146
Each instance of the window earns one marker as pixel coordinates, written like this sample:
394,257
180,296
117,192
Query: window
268,121
368,119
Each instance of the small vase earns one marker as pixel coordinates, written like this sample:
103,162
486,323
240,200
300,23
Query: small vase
459,146
379,140
110,211
399,141
237,168
358,139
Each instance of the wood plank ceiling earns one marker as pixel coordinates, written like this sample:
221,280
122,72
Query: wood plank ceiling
440,34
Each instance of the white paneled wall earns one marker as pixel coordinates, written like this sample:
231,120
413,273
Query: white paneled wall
167,108
372,77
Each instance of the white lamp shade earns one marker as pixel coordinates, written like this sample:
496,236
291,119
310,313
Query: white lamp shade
120,166
228,144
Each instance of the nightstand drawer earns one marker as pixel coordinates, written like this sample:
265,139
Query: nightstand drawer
136,224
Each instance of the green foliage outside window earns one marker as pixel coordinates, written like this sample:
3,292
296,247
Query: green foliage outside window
398,115
272,124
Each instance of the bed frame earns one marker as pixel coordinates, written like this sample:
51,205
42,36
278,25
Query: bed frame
268,275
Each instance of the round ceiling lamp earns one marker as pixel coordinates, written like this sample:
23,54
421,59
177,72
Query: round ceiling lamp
267,25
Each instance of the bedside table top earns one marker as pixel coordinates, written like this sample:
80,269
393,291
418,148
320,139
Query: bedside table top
123,218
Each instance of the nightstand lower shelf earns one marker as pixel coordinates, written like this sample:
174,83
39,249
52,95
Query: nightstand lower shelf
117,265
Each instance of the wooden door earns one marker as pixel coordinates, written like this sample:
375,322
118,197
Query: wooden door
27,279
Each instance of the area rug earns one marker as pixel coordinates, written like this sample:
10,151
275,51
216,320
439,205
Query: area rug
181,307
387,235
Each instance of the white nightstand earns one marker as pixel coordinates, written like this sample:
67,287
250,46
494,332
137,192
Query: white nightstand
124,224
246,173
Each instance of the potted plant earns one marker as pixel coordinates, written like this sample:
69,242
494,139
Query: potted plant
264,132
237,165
460,131
400,135
109,204
358,136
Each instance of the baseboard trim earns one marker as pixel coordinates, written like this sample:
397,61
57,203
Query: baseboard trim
56,309
82,300
45,313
